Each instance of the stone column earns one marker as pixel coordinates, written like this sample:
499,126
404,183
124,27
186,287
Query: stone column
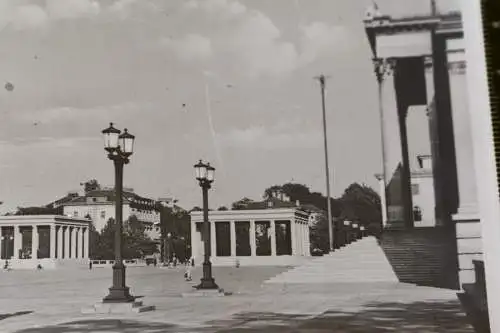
308,242
34,242
78,243
253,245
73,242
52,241
194,241
60,237
294,236
18,241
232,228
383,203
273,237
86,240
66,242
213,240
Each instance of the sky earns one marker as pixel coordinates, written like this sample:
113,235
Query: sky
227,81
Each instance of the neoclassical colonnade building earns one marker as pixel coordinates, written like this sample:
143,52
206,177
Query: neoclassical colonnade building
421,71
272,236
47,240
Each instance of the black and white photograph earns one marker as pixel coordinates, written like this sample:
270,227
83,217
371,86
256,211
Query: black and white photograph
298,166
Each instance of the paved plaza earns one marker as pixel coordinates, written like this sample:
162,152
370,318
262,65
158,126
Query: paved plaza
50,301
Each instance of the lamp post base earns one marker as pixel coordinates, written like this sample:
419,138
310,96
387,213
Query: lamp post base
207,284
118,293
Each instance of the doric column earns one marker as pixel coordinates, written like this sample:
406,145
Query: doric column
52,241
213,240
18,241
85,242
60,240
66,242
253,245
294,236
34,242
78,242
273,237
308,241
73,242
232,233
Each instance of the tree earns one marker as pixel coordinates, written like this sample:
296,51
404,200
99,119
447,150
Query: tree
136,243
104,249
90,185
222,208
241,204
93,240
43,210
362,204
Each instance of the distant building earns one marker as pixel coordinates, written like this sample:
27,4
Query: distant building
99,205
422,189
268,232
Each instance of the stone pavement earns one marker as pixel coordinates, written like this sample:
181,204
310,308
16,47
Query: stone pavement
53,304
360,298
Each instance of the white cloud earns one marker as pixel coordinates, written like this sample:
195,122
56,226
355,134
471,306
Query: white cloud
71,9
190,47
20,16
257,44
27,17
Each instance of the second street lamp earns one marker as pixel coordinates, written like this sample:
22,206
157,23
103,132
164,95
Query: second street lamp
119,147
205,176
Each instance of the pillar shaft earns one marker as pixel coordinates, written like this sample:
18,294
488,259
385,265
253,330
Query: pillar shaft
232,229
294,236
253,245
60,237
66,243
213,240
52,241
273,237
78,243
18,241
34,242
85,242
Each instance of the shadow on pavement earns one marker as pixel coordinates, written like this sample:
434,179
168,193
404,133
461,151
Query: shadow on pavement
417,317
14,314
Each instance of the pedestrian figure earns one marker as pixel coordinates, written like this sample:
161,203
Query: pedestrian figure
192,261
90,264
174,262
187,273
154,262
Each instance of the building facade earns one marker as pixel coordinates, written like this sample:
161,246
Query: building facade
99,205
273,236
46,240
420,66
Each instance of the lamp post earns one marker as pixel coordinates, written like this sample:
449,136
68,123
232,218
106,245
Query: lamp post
119,147
205,176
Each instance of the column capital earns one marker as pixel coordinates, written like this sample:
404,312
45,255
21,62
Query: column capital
383,67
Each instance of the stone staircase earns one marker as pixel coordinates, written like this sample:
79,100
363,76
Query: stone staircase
422,256
359,262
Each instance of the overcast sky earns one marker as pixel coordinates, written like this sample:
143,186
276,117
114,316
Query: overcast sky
76,65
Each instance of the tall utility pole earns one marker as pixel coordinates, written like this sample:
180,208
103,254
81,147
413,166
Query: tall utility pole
321,80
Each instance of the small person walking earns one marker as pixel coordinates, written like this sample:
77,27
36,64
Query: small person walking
187,273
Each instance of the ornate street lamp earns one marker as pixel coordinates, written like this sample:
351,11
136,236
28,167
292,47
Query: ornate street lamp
119,147
205,177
